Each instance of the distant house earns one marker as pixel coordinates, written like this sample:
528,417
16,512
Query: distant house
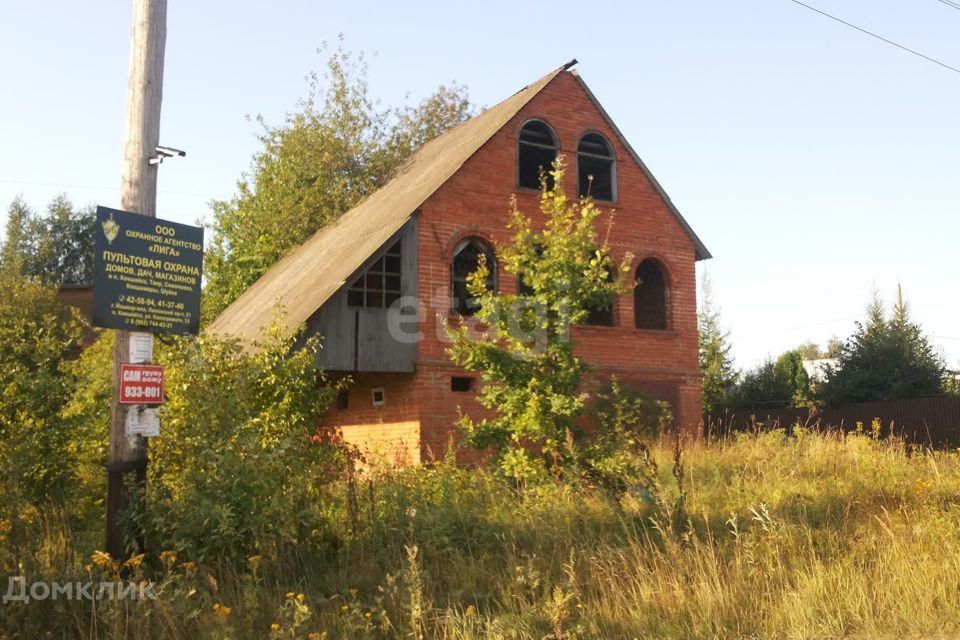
381,282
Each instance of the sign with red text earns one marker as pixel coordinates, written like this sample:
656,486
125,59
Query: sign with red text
141,384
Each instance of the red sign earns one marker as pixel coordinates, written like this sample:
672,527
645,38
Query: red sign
141,384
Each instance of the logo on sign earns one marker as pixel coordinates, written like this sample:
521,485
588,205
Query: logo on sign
141,384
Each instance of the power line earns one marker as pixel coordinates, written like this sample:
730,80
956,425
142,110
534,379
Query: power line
881,38
951,3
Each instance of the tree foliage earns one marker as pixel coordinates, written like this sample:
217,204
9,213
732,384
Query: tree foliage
717,372
240,462
37,336
887,358
337,148
56,247
526,356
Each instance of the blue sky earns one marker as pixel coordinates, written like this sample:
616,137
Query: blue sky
815,162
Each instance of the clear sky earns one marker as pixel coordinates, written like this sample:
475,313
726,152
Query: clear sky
815,162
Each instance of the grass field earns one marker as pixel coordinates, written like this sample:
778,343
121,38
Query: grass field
780,536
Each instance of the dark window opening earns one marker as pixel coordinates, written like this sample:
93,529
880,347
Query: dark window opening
650,297
461,384
379,286
537,149
466,260
601,316
595,176
378,397
343,400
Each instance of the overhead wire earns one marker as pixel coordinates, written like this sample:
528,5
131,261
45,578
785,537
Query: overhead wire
881,38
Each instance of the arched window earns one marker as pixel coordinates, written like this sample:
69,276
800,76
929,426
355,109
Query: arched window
651,297
595,168
466,259
537,148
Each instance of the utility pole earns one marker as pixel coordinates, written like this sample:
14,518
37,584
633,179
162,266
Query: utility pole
127,456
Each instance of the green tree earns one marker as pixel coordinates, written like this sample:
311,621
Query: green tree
525,355
951,383
15,246
37,337
56,247
761,388
887,358
337,148
792,376
718,375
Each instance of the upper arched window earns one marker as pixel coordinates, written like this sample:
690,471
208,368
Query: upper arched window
537,148
651,297
466,259
595,168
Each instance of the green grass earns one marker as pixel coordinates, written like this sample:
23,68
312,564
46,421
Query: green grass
807,536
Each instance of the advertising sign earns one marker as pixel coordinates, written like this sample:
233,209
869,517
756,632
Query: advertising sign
146,273
141,384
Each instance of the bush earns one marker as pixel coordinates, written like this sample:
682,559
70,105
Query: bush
37,336
240,463
618,455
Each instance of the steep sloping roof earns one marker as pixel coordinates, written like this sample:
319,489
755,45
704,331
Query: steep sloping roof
308,276
311,274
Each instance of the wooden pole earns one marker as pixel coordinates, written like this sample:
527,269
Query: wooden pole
127,456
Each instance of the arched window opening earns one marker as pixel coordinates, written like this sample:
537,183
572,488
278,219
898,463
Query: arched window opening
466,260
651,296
595,174
379,286
537,149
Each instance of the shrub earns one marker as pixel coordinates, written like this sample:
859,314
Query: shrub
37,336
240,462
618,455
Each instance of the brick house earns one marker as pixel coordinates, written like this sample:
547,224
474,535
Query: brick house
380,283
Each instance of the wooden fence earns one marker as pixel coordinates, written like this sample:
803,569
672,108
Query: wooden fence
932,421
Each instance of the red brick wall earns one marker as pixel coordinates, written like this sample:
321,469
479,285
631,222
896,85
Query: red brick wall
476,201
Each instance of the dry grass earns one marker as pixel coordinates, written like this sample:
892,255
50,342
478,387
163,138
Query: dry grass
806,536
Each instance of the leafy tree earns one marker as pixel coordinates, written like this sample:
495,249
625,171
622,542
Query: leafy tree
56,247
37,336
760,388
717,372
792,376
810,350
951,383
525,356
887,358
15,247
773,384
337,148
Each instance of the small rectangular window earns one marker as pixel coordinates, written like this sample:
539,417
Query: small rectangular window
379,398
343,400
461,384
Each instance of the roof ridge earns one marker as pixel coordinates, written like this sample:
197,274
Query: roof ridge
310,274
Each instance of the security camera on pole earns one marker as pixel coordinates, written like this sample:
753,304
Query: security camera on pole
127,455
147,276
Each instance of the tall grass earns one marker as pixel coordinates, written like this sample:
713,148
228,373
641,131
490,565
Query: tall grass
796,535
